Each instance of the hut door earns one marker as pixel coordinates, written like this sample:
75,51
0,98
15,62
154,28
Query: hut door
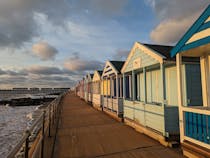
193,85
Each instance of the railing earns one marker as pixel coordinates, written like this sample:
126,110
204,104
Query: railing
32,142
197,126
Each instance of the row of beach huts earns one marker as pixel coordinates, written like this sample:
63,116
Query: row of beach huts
162,91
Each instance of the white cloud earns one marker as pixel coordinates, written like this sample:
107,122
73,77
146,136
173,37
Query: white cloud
44,51
175,18
171,30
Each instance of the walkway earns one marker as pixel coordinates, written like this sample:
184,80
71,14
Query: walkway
84,132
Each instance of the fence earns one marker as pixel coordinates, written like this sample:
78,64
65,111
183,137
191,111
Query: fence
32,142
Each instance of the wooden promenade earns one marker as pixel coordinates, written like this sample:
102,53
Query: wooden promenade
84,132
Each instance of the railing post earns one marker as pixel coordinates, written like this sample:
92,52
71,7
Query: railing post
26,144
53,112
43,122
49,125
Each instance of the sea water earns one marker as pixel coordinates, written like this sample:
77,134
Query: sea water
13,123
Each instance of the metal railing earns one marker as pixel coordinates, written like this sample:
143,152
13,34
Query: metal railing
32,142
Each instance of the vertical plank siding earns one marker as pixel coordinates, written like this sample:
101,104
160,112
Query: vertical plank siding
148,60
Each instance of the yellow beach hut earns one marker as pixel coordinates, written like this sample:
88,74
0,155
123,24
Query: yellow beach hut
112,97
97,89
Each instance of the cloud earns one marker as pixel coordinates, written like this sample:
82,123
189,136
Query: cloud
38,76
39,81
44,51
175,18
18,25
75,63
45,70
12,79
2,72
12,73
171,30
121,54
19,22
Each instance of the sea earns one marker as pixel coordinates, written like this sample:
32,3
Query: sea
14,120
13,123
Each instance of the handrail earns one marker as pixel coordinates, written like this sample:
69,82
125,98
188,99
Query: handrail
197,109
43,122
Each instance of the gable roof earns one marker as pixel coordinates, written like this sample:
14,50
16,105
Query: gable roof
158,52
89,77
99,72
201,24
161,49
112,67
117,64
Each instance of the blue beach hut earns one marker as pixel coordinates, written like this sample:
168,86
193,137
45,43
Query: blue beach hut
150,90
195,119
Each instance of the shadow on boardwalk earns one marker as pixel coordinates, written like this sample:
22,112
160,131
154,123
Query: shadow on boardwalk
84,132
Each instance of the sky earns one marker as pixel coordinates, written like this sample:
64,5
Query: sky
54,43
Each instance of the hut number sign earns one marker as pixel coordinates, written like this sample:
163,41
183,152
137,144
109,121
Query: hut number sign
137,63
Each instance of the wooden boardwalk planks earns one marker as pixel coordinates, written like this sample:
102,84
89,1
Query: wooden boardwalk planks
85,133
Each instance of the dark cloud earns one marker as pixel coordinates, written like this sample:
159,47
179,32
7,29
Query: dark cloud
121,54
12,72
2,72
75,63
45,70
55,78
12,79
17,18
16,73
41,81
176,17
39,76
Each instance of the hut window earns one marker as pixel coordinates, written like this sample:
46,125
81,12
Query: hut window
96,87
114,87
128,87
153,83
135,87
119,87
140,87
171,86
109,87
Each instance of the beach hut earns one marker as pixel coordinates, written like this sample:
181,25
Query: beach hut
86,81
112,88
82,89
195,118
97,89
77,87
89,96
150,91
